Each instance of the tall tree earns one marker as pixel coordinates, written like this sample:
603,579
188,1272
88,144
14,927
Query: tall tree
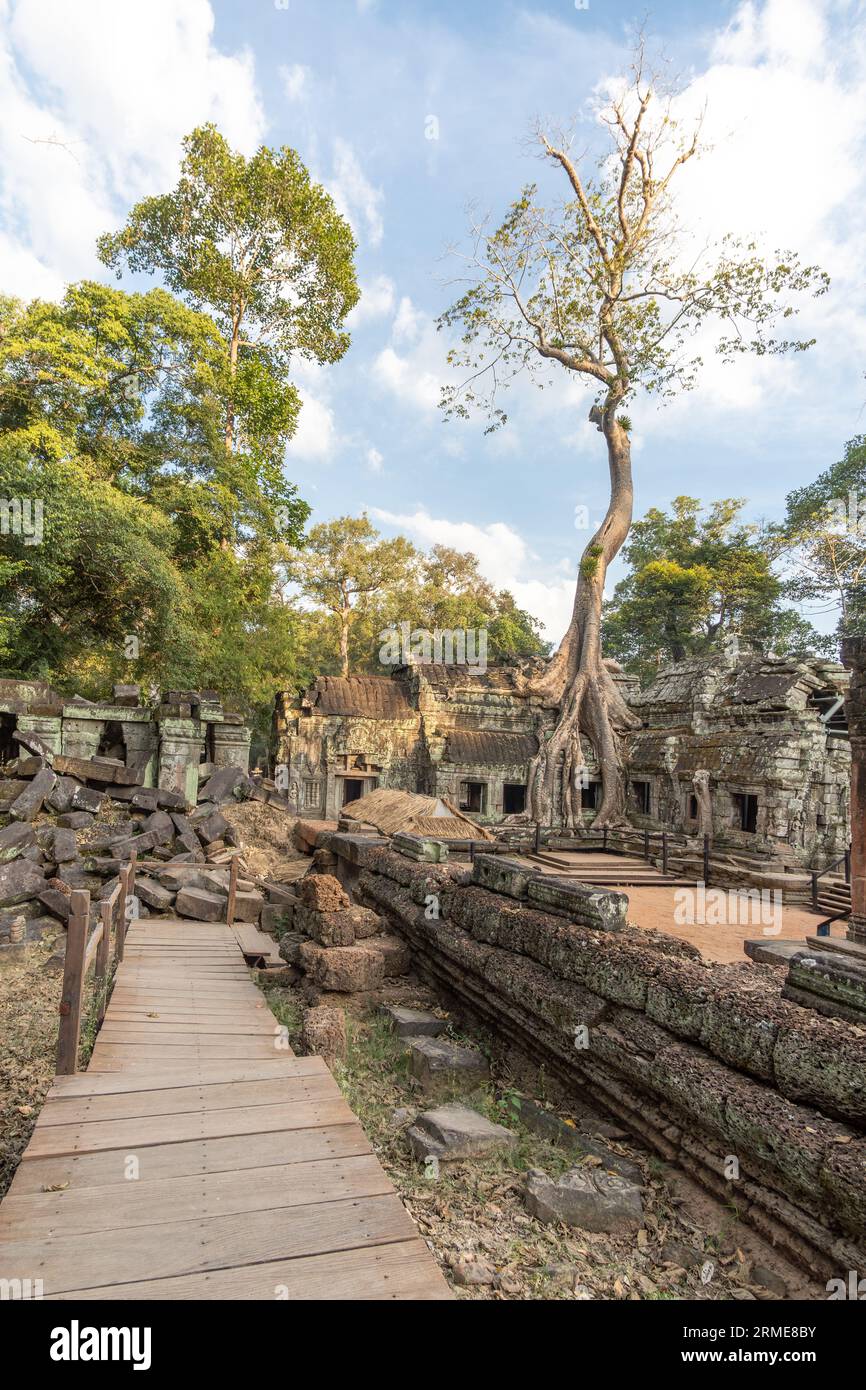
825,532
698,580
605,286
344,566
260,247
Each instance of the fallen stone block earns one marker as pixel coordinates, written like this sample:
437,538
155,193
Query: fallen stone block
29,803
325,928
501,875
76,820
56,901
279,893
220,786
85,799
324,1033
190,842
602,908
144,799
453,1133
365,922
124,847
153,893
10,788
412,1023
169,800
344,969
14,838
248,906
91,770
290,947
160,823
420,848
212,828
204,907
64,846
587,1198
830,983
444,1066
323,893
20,881
275,918
396,956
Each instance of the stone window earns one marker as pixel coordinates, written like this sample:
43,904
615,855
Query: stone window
691,807
312,793
513,799
473,797
746,812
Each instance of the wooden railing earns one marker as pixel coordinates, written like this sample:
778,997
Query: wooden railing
86,949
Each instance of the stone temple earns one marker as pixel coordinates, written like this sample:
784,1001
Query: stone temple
171,744
752,751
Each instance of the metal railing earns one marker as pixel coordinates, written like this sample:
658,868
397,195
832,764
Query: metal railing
818,874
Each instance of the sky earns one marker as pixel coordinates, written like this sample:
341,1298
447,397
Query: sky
417,116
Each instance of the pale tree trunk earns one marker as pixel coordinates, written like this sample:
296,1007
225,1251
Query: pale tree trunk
345,620
590,704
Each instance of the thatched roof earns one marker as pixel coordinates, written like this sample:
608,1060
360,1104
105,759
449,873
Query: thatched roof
433,816
367,697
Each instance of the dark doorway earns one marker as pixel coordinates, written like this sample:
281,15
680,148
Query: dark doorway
642,796
746,811
353,789
112,744
513,799
590,796
8,746
473,796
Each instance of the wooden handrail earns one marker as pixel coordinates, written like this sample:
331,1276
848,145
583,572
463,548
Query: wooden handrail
72,993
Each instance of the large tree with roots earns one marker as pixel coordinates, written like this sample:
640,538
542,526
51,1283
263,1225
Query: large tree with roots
607,285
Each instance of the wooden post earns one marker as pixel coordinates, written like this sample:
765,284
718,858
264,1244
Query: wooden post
73,984
100,970
646,845
233,890
120,934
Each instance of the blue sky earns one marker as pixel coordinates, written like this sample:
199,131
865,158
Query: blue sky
96,97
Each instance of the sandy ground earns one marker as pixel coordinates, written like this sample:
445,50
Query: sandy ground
655,907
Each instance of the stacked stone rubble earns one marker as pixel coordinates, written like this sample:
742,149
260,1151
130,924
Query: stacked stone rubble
340,947
760,1100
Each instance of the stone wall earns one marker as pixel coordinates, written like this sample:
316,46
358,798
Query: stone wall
762,1101
854,655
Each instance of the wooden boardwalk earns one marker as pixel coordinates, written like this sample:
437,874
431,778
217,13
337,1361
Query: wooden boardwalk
197,1158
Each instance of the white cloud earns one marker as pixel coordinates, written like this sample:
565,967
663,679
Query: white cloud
404,379
295,80
375,461
504,559
355,196
414,374
316,436
95,103
377,301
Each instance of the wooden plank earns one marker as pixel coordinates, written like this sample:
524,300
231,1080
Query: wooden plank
150,1029
206,1073
135,1054
403,1270
126,1205
234,1154
136,1134
105,1258
178,1099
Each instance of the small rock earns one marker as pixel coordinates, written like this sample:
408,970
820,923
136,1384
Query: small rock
588,1198
324,1033
455,1132
473,1272
324,893
441,1066
196,903
412,1023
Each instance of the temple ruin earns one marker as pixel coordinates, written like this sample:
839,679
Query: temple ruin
751,750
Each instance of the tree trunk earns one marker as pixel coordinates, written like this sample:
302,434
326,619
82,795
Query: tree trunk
344,641
577,678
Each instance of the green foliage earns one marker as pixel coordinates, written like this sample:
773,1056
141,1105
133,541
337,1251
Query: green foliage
824,534
698,577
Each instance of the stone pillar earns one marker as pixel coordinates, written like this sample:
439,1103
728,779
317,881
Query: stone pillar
854,657
47,726
181,745
82,732
231,743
